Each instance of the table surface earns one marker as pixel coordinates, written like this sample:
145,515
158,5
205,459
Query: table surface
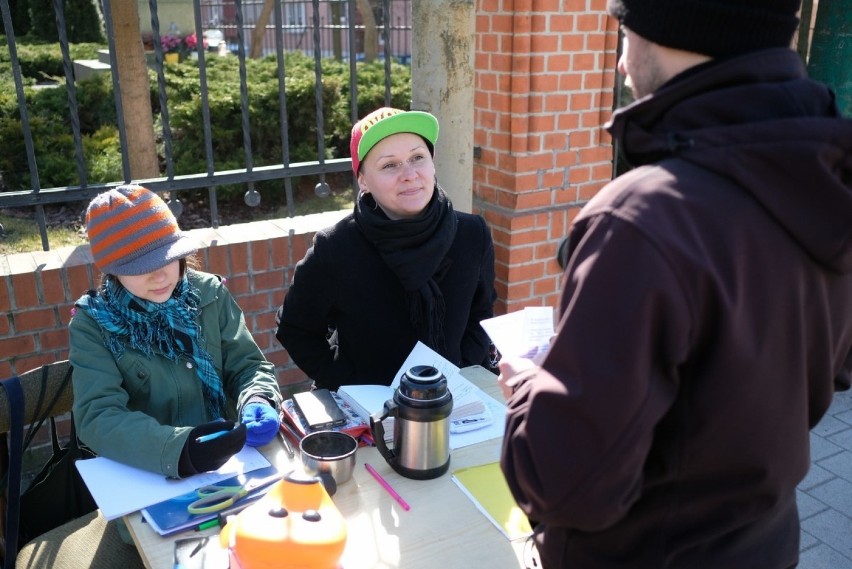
442,529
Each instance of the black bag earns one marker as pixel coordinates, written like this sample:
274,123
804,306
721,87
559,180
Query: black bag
57,494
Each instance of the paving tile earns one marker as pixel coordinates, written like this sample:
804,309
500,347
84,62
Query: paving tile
845,416
822,447
839,464
841,403
837,493
829,425
807,541
842,439
816,476
825,495
823,557
809,505
832,528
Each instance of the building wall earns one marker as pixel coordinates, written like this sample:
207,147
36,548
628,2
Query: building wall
544,74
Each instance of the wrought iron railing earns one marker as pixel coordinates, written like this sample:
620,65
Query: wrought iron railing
327,38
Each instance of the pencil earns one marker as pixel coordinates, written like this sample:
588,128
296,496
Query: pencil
211,436
387,487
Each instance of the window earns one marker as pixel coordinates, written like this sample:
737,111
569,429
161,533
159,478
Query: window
294,17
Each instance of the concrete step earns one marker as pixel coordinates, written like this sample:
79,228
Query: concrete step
86,68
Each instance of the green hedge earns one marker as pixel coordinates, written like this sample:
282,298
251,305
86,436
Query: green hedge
37,18
48,111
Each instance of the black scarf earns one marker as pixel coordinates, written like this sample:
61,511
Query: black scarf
415,249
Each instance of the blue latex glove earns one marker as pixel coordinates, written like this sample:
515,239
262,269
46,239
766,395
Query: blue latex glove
261,422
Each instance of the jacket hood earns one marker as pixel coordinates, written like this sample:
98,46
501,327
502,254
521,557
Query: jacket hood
758,120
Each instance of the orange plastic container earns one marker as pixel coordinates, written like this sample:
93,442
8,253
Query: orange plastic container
295,526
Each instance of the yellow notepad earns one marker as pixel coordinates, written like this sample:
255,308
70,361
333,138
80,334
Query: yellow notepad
486,486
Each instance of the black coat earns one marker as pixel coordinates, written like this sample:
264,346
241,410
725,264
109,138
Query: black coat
343,284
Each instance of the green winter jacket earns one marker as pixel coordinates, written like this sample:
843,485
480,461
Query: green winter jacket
139,411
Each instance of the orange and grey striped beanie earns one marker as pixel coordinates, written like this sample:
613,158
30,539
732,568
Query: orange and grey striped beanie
132,231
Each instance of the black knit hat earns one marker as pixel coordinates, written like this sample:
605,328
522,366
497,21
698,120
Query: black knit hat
718,28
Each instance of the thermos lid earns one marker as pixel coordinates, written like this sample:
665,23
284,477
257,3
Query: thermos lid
423,383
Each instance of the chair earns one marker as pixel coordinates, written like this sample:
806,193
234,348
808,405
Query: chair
89,541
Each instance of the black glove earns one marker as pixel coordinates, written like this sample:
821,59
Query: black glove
211,454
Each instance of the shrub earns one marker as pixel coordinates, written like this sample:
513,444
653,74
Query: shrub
82,21
103,155
55,149
20,18
50,124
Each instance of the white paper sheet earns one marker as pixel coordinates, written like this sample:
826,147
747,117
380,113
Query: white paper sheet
524,333
119,489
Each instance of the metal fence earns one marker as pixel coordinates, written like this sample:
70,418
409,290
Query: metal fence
319,28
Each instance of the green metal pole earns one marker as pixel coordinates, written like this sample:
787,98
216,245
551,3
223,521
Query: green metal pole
830,58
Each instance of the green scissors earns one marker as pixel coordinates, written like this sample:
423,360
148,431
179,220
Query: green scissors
214,498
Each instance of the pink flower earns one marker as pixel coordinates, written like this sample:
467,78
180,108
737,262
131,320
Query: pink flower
191,41
170,43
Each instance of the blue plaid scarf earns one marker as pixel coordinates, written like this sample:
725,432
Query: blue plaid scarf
171,328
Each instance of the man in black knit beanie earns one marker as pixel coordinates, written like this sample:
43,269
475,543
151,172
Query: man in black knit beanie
706,312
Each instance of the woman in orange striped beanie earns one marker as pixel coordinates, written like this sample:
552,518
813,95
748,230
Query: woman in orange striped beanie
160,351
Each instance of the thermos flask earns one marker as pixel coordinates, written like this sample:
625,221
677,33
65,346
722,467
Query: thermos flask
420,408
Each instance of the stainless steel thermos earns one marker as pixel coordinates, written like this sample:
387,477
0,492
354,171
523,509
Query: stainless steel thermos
420,408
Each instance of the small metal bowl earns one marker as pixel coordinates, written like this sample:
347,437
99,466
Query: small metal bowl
329,452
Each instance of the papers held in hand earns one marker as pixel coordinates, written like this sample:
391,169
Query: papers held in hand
524,333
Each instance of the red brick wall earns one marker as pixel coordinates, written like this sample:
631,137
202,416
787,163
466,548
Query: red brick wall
545,71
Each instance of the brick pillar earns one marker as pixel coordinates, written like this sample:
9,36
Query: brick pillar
545,72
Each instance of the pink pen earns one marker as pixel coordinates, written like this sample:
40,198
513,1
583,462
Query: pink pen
387,487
